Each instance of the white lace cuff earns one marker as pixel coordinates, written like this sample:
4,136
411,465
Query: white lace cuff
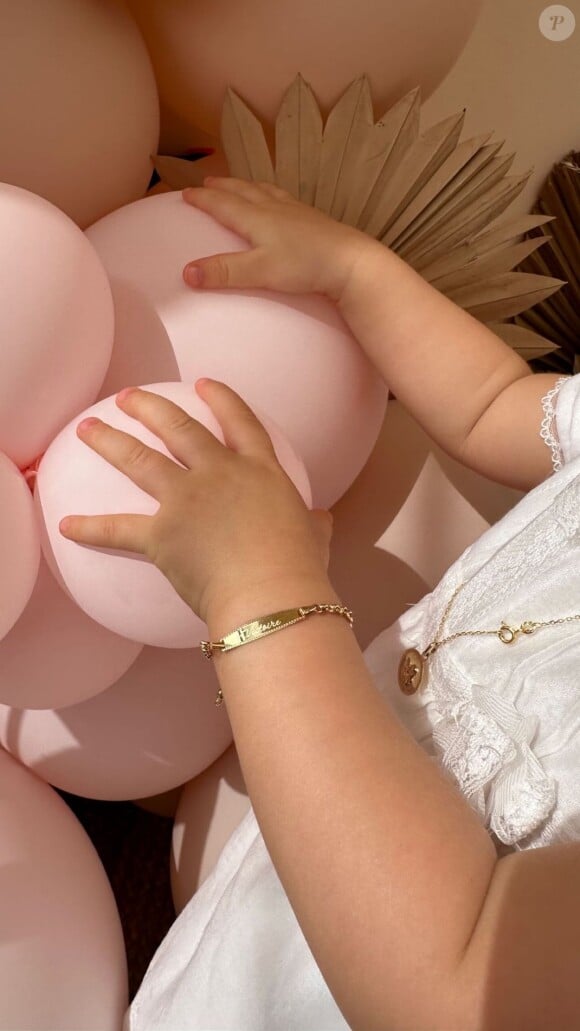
549,432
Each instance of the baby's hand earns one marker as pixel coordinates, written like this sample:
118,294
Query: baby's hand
296,249
229,517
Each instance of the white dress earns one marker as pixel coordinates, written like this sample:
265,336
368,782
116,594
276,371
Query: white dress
503,720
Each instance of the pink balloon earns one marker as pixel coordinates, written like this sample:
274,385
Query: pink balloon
126,592
80,117
63,957
55,655
157,727
19,545
200,47
293,356
210,808
56,323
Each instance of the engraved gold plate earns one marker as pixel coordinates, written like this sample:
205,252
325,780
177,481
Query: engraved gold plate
411,671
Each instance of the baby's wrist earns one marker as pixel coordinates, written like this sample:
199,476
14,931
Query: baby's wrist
230,610
359,263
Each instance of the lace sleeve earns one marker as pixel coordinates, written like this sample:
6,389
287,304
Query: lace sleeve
549,431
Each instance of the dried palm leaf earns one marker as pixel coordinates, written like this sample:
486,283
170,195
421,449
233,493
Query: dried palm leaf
244,142
528,345
389,136
298,142
559,316
346,132
431,198
500,297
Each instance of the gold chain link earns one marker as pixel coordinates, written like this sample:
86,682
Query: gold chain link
506,633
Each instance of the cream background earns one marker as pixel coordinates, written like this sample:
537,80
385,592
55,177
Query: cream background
413,510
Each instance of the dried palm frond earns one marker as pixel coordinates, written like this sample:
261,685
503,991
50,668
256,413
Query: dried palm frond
432,199
558,317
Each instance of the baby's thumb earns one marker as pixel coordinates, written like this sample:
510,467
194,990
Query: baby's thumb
224,270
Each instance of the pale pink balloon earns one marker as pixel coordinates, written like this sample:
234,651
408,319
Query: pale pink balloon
125,592
56,655
293,356
157,727
56,323
200,47
19,545
63,956
79,119
210,808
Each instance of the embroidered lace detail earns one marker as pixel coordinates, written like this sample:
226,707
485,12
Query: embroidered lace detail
480,737
485,744
549,432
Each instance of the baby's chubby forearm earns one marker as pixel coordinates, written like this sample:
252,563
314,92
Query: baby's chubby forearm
443,365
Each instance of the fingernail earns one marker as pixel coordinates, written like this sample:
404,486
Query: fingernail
187,192
65,524
193,275
87,423
125,393
203,379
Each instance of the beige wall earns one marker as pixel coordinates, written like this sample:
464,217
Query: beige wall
518,83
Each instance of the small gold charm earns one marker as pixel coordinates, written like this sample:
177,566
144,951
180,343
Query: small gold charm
411,671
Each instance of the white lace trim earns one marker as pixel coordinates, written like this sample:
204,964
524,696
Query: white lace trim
549,431
485,744
482,739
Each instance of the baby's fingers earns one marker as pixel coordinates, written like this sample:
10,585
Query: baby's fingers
256,192
117,532
241,270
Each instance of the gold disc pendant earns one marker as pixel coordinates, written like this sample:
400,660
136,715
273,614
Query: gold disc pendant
412,672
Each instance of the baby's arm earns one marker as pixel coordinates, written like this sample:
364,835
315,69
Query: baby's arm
470,391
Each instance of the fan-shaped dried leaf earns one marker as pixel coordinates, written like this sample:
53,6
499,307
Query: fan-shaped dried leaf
400,132
468,221
527,344
478,187
298,142
346,132
481,171
510,231
433,187
566,304
384,141
501,297
545,320
483,243
244,142
421,160
500,259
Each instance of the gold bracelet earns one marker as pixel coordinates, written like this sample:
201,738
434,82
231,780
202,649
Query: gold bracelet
267,625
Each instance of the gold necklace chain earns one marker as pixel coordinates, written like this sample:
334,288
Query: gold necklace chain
412,667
